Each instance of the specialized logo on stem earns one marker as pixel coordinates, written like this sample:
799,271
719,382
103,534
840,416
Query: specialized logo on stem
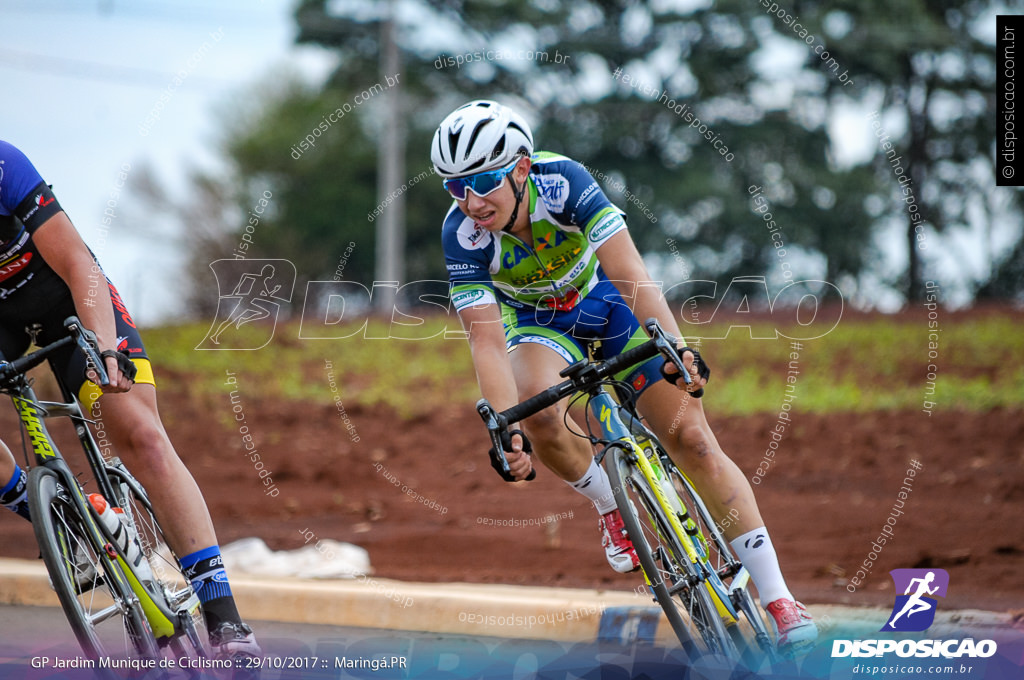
258,287
914,610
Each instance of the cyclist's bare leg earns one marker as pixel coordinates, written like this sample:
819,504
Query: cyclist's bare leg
680,424
683,429
536,368
139,438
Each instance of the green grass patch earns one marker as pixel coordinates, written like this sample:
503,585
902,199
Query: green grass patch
879,363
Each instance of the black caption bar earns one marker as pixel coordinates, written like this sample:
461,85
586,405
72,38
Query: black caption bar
1009,151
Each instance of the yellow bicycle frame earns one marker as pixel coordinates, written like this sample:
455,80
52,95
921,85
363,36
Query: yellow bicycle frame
605,409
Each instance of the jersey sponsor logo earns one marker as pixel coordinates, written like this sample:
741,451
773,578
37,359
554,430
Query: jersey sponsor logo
22,239
551,267
27,216
115,298
460,266
122,343
550,240
6,292
43,203
10,268
553,190
513,257
471,236
605,227
585,195
468,297
547,342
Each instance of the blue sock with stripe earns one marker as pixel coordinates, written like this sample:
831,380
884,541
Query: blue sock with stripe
205,570
14,495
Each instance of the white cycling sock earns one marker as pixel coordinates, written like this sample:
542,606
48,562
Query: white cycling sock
594,485
757,554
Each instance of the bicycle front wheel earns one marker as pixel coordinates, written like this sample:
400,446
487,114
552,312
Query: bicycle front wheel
104,614
677,585
170,585
750,633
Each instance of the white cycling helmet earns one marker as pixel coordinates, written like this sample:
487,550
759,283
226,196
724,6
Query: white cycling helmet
479,136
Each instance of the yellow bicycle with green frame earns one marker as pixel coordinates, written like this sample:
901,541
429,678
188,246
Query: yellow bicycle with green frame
687,564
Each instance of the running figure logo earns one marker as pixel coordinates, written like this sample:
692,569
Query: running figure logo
914,611
258,288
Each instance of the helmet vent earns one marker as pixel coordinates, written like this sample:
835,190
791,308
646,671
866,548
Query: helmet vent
472,139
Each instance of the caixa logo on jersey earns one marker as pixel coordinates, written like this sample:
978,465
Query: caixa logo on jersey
248,292
913,612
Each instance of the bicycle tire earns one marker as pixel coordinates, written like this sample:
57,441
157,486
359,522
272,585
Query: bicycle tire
675,570
171,585
755,635
106,618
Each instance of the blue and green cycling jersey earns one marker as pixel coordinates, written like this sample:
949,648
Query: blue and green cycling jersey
570,217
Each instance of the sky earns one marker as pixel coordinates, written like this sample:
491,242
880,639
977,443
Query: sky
101,88
86,78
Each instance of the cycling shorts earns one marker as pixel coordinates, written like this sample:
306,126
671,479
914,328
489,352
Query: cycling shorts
601,322
50,303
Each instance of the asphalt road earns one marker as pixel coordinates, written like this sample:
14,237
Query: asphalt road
36,643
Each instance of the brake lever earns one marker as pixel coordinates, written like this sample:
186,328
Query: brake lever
666,344
492,419
89,344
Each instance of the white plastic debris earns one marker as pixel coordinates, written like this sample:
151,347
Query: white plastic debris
324,559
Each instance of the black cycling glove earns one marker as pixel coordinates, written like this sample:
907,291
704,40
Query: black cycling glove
506,443
703,371
124,363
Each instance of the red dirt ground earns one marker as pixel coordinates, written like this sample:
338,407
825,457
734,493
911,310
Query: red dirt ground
826,496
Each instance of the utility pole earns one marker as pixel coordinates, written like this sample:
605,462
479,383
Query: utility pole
390,247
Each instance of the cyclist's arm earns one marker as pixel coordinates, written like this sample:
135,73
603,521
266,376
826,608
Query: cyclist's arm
623,265
494,372
60,245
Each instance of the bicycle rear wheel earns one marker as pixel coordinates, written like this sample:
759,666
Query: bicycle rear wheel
677,585
103,612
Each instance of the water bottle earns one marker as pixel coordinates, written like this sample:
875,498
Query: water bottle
124,536
666,484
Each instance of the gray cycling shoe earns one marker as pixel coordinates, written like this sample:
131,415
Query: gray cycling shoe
235,642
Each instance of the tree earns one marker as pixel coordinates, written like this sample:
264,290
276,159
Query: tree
932,78
658,162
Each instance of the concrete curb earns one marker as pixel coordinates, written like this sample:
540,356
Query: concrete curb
520,612
516,612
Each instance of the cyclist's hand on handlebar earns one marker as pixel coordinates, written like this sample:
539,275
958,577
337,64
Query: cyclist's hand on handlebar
519,462
695,365
120,372
517,453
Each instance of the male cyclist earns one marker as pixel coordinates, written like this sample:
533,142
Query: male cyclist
47,274
540,262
